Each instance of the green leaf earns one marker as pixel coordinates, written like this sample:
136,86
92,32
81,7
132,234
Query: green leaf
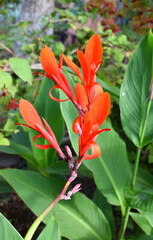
50,111
21,68
21,150
144,179
5,79
141,200
135,92
106,208
78,218
7,231
51,231
61,168
4,141
4,186
144,237
142,222
112,170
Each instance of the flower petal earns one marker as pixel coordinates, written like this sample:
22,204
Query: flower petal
29,114
48,62
84,66
74,126
99,109
60,61
81,96
95,151
53,98
74,68
93,51
45,146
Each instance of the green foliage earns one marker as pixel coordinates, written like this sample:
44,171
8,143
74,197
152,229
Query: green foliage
7,230
52,229
135,93
21,68
79,218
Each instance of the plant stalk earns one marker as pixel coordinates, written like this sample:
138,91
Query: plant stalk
126,216
39,219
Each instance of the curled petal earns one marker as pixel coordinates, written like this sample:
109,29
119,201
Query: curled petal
56,99
40,74
95,151
45,146
74,126
25,125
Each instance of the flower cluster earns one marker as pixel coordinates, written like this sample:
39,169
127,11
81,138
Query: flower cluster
12,104
92,103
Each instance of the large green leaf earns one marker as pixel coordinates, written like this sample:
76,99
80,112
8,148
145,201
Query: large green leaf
141,200
78,218
135,92
142,222
106,208
21,150
111,170
21,68
144,237
51,231
50,110
144,179
7,231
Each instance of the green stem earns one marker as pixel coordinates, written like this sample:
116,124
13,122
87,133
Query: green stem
126,216
136,167
124,223
38,220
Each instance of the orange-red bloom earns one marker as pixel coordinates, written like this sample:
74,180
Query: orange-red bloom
54,72
88,127
33,120
90,63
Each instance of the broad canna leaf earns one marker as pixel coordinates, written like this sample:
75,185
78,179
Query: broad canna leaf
141,200
144,237
134,94
51,231
7,231
142,222
50,111
78,218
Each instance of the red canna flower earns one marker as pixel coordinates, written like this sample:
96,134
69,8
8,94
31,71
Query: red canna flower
54,72
33,121
88,127
90,63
